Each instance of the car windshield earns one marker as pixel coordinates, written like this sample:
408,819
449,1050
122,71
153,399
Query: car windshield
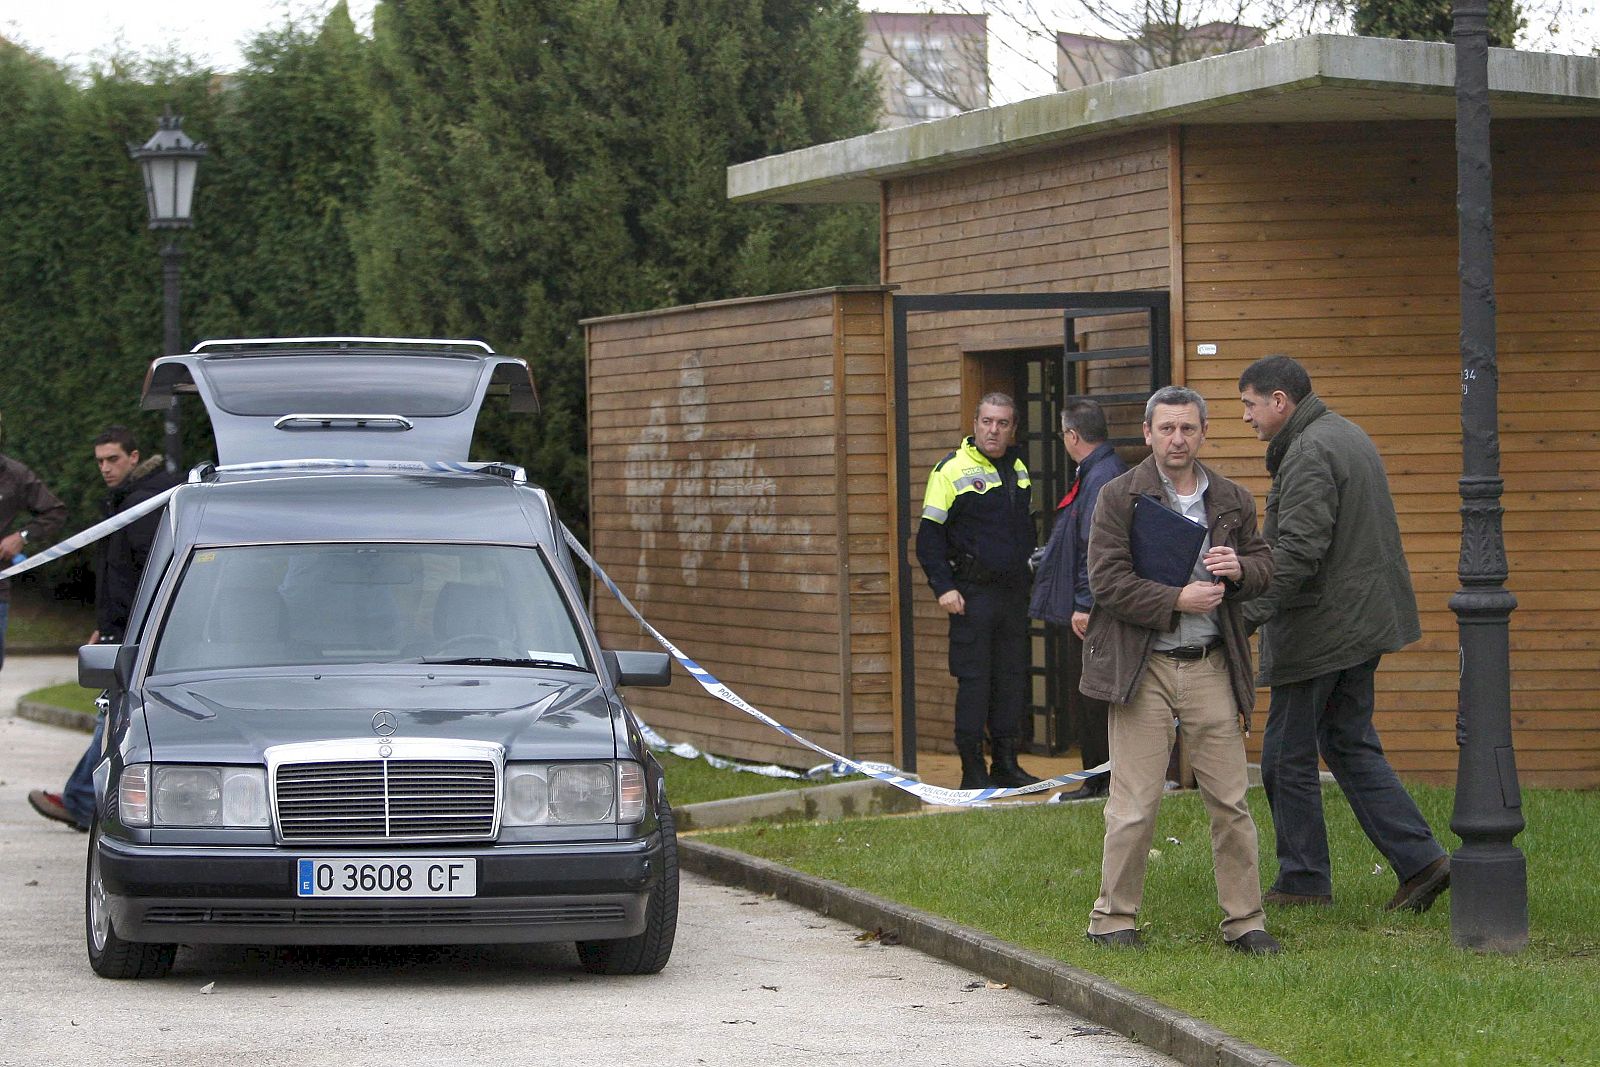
312,604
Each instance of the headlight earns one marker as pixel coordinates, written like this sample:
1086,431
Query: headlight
527,796
560,794
181,794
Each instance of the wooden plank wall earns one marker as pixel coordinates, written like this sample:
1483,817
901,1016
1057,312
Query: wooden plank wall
870,615
1336,244
737,459
1090,217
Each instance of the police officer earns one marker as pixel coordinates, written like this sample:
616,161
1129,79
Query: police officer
973,543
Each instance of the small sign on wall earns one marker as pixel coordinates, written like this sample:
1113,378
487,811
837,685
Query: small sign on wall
1205,350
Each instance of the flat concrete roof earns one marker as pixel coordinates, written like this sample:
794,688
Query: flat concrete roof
1311,79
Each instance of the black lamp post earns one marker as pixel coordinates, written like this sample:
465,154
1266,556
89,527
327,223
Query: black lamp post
1488,875
171,162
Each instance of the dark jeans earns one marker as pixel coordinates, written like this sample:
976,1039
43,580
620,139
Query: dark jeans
78,794
1332,713
989,658
1092,718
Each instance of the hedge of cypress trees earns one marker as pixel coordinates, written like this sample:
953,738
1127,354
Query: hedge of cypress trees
476,168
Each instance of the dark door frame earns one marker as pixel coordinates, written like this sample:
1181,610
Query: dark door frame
1154,303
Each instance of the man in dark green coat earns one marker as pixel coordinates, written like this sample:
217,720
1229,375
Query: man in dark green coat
1340,598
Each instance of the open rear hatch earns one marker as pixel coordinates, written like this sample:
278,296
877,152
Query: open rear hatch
341,397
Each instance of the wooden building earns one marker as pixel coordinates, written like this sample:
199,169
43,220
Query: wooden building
739,474
1294,198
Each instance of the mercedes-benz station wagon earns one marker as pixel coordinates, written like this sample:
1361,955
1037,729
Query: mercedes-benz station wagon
361,700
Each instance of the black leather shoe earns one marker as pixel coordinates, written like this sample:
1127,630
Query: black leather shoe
1297,900
1117,939
1418,892
1255,943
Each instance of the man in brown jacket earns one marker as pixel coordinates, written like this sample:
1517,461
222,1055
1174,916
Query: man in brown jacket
1158,651
22,491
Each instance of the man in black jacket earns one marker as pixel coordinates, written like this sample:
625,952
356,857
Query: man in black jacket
973,543
1061,592
119,562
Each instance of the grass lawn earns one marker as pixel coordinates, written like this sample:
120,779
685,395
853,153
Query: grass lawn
1357,985
66,695
38,622
690,781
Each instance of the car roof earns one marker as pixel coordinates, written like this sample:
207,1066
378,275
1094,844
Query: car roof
370,505
371,398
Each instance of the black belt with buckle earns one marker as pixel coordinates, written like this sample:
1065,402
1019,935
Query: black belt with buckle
1190,651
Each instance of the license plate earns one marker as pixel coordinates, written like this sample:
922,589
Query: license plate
387,876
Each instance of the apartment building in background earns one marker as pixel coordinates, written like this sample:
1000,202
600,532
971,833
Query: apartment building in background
929,66
1082,59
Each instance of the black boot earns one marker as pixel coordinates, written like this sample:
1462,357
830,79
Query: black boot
1098,786
974,775
1004,770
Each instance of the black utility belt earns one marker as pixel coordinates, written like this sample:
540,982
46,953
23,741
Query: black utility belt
1190,651
966,569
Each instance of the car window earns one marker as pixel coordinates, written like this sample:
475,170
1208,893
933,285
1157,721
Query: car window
350,383
275,605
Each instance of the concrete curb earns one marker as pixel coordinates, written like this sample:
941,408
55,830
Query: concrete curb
54,716
1142,1018
837,800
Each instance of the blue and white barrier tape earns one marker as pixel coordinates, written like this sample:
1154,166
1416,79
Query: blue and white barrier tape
89,536
883,772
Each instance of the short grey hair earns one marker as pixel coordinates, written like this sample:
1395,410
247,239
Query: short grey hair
1174,396
996,400
1086,418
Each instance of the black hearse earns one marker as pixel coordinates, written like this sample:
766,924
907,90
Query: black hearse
361,701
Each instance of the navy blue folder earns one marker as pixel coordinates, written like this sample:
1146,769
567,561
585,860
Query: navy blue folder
1165,544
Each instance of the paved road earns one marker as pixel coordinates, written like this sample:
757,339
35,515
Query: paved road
752,981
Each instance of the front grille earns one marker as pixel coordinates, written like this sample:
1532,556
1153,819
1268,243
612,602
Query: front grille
387,800
394,915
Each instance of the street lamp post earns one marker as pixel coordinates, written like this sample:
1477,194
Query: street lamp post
1488,875
170,162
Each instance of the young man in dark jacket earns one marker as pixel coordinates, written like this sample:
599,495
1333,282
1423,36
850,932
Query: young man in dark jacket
1061,593
119,562
973,543
1340,598
1159,651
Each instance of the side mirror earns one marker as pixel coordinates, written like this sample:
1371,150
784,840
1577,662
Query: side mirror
106,666
97,666
640,668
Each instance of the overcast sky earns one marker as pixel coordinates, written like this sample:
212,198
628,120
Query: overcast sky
78,32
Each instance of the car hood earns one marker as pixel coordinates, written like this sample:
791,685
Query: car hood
234,718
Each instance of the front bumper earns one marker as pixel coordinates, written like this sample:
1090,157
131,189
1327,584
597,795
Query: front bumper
526,893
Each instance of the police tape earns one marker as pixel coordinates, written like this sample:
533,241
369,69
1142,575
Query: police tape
883,772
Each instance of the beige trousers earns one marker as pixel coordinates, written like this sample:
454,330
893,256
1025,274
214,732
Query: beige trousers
1199,694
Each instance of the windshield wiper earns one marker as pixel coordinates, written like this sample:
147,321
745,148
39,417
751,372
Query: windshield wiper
505,661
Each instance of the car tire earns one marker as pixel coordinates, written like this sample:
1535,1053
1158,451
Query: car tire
648,951
109,955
